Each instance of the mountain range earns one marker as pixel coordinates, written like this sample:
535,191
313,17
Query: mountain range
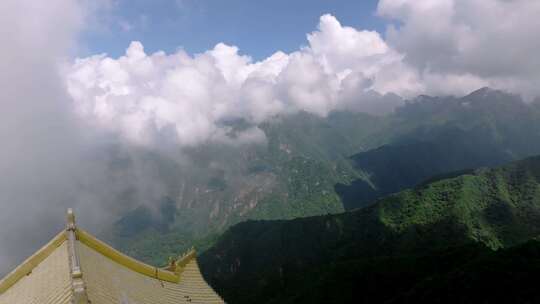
313,165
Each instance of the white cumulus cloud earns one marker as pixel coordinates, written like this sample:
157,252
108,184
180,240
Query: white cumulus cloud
187,98
458,45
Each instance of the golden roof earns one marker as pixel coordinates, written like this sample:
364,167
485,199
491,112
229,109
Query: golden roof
75,267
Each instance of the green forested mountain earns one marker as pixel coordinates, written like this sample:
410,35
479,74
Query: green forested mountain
416,245
314,165
465,274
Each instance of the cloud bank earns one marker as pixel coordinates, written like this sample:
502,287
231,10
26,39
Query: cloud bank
430,47
50,159
187,99
456,46
40,144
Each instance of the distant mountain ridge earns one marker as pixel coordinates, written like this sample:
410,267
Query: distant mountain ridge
265,261
438,135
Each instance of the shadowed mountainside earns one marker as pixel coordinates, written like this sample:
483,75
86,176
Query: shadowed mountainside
269,261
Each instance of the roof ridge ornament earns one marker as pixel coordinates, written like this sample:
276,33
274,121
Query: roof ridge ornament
70,217
177,264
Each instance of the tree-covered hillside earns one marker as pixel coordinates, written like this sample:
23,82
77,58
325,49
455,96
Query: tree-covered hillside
263,261
464,274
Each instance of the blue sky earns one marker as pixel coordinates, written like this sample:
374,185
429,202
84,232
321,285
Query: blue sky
258,28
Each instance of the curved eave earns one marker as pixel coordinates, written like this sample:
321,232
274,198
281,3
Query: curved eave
131,263
29,264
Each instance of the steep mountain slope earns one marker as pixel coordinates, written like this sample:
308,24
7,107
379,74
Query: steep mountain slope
292,175
497,207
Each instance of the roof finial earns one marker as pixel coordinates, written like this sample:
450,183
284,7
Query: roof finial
171,265
70,216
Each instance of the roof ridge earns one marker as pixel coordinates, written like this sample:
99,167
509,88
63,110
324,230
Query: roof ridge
78,286
72,234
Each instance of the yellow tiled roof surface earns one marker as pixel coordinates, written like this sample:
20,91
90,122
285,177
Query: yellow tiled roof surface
109,282
48,283
109,277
